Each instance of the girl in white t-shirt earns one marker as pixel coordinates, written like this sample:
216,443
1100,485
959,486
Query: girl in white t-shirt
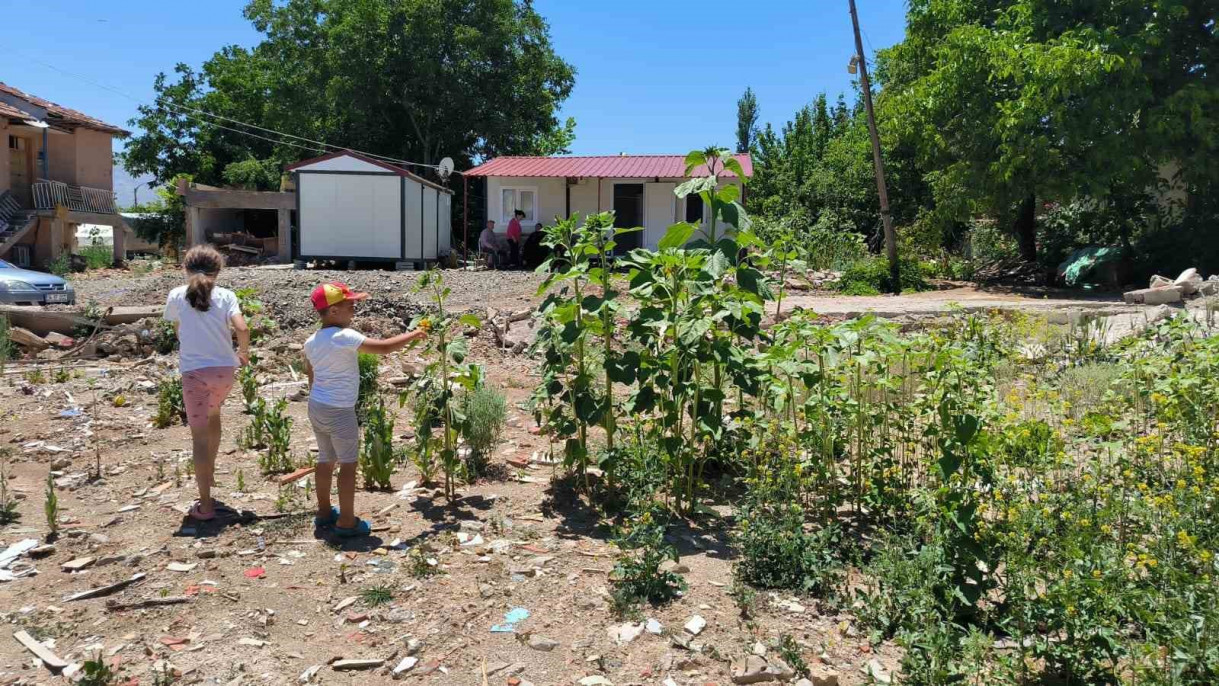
206,317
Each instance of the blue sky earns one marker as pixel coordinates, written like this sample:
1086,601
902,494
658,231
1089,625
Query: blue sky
654,76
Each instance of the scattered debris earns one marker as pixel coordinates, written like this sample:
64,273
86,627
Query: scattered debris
52,661
149,602
106,590
78,564
542,643
349,665
511,618
696,625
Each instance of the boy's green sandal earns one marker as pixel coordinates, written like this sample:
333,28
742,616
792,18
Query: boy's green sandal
326,522
361,528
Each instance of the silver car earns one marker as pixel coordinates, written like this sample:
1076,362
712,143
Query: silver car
27,287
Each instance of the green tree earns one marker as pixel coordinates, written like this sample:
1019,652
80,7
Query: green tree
165,220
1013,103
746,121
409,79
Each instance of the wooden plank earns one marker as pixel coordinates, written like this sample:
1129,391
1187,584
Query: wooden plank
128,315
106,590
28,339
295,476
41,321
342,665
112,606
51,660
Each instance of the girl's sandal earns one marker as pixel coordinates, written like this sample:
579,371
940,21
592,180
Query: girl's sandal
199,516
361,528
322,523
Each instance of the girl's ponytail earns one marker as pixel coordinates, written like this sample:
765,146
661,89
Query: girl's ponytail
202,264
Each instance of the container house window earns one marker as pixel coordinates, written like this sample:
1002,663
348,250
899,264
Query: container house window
524,199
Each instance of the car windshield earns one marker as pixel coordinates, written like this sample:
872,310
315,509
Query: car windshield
6,265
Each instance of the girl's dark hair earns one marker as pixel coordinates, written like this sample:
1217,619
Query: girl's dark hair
202,264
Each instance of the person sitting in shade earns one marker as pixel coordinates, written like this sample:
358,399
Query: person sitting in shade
488,244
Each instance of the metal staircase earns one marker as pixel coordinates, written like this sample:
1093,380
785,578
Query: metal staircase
15,221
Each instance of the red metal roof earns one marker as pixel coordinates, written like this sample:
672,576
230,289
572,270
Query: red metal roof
56,114
605,166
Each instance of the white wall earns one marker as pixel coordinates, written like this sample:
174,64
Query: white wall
550,193
414,201
429,222
661,207
357,216
342,163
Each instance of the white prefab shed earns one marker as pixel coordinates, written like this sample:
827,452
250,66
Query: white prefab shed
356,208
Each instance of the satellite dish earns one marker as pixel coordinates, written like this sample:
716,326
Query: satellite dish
445,167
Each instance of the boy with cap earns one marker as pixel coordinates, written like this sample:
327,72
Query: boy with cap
332,365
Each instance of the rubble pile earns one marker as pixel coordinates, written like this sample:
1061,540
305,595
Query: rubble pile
1163,291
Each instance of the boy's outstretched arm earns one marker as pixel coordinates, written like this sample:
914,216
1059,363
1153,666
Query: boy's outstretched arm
385,346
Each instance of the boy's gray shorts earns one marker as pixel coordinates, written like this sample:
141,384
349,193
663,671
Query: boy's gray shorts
337,432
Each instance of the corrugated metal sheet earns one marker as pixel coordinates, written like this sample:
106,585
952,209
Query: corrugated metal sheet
57,113
605,166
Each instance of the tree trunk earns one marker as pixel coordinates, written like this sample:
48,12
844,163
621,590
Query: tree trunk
1025,228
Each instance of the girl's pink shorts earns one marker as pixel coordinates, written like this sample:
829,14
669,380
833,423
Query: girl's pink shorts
204,391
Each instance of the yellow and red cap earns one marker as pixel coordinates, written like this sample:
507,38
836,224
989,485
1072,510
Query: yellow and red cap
328,294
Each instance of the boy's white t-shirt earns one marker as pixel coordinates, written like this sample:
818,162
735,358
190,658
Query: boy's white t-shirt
334,355
205,338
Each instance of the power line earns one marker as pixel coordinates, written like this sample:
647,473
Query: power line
182,108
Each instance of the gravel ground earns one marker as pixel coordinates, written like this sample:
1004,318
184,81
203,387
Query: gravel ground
285,291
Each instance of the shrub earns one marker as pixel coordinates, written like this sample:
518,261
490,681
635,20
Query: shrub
377,459
870,276
97,256
60,266
170,406
51,505
248,378
8,503
637,577
906,587
164,338
7,348
254,434
775,549
370,367
261,325
277,428
485,409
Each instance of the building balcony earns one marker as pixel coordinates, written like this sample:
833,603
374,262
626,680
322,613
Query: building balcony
49,195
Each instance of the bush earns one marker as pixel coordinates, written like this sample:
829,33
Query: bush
170,406
277,429
247,377
97,256
164,338
7,348
775,549
906,588
637,577
870,276
370,367
377,460
485,410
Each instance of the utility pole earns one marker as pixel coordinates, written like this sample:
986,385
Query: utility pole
881,188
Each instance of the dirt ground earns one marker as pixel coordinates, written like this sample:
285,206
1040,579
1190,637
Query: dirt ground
266,601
